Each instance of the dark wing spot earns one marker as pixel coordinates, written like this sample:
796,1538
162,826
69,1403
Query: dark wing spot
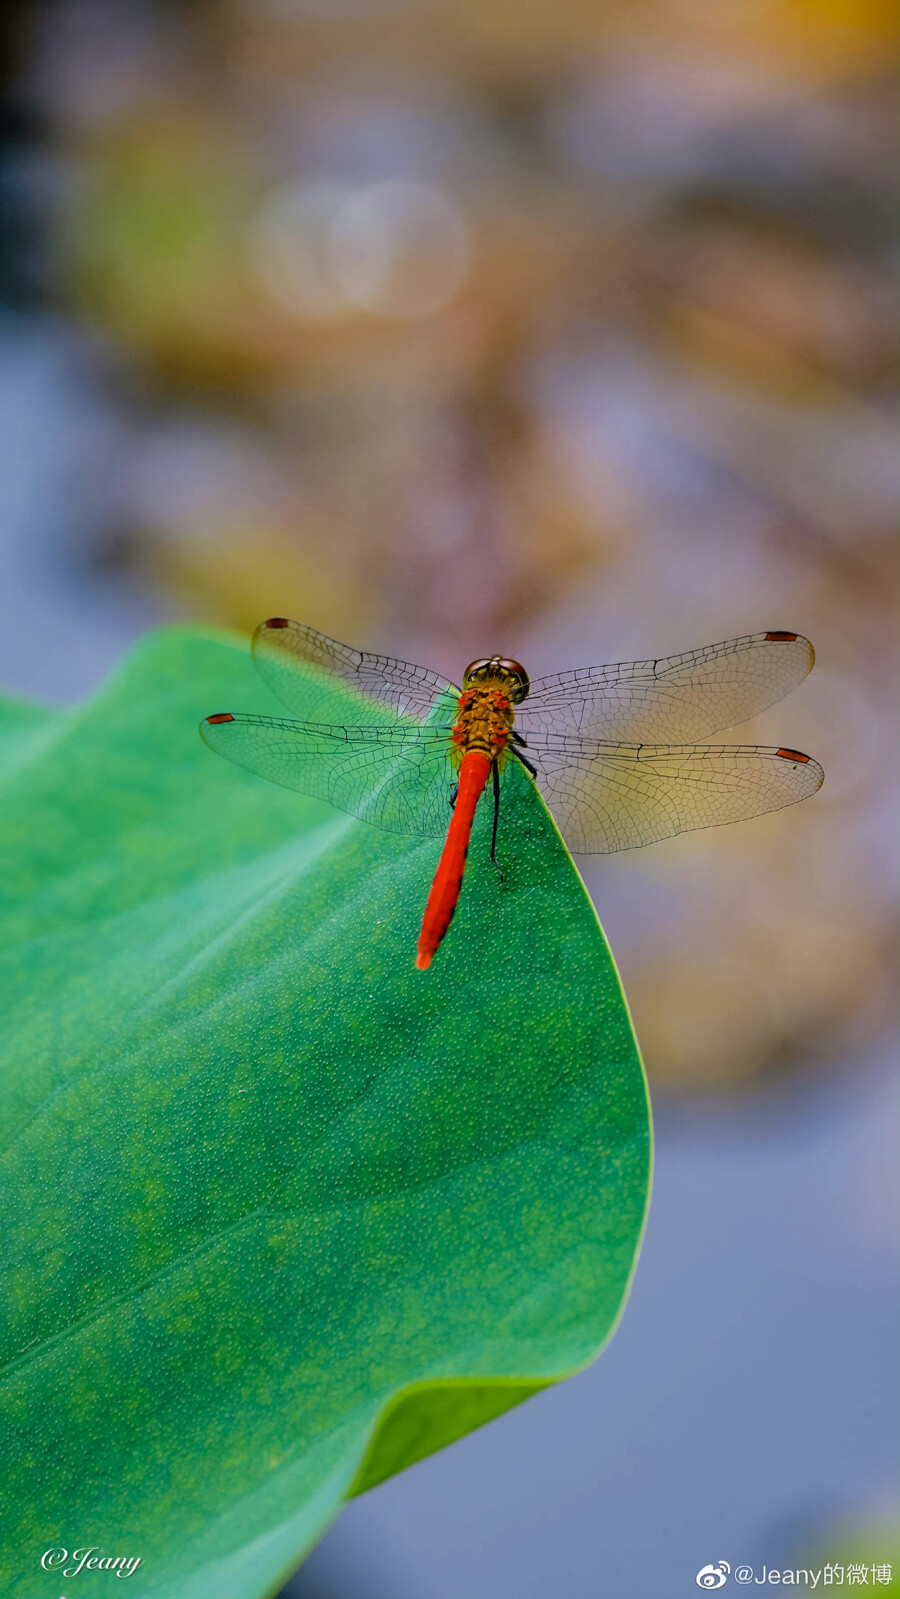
277,621
223,716
772,638
792,755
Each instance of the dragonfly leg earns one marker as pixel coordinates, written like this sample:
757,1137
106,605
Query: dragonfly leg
527,764
496,775
452,799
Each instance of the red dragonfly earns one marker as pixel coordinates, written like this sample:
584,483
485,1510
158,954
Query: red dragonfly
610,747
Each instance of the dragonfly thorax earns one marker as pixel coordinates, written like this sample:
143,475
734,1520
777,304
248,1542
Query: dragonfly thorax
484,721
491,688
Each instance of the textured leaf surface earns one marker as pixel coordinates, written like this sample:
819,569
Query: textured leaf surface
281,1214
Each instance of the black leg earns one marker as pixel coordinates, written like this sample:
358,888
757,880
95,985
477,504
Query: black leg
453,798
496,772
527,764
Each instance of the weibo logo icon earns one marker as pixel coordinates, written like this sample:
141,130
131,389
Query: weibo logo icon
714,1576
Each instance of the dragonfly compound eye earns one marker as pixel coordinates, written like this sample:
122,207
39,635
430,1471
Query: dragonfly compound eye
498,669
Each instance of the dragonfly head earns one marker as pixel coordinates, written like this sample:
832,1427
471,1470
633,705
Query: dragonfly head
496,669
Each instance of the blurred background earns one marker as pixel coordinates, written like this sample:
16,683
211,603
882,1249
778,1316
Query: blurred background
567,329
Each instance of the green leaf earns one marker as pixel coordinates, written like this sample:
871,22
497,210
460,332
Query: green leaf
281,1213
860,1540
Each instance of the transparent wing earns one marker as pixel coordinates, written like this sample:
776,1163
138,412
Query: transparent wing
306,669
608,797
675,700
400,779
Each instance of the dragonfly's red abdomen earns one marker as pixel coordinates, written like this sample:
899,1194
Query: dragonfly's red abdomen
444,895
